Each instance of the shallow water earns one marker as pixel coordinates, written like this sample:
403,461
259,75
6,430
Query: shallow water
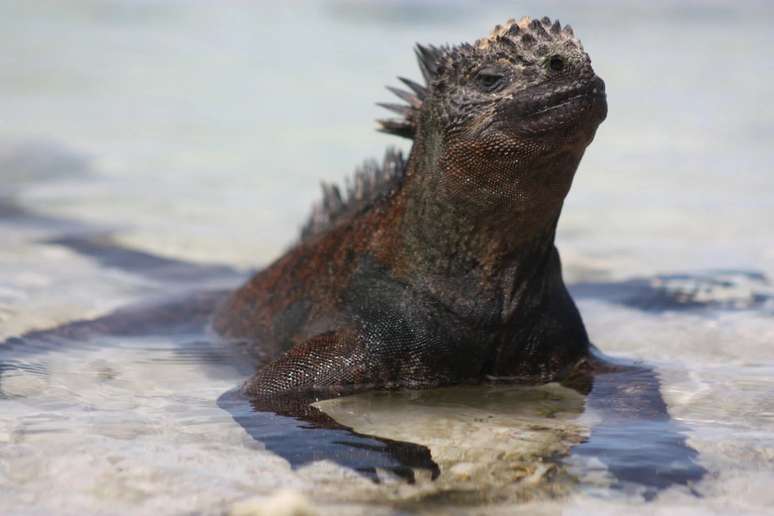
153,150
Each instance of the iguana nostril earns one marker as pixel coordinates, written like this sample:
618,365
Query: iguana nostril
556,63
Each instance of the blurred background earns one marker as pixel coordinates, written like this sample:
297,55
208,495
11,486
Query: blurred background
137,132
202,129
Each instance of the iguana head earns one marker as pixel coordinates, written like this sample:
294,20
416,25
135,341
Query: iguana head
503,122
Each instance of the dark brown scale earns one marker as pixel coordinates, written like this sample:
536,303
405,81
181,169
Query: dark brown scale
541,50
528,40
440,269
541,32
506,41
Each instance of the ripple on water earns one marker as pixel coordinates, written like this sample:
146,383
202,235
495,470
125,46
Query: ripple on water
131,425
137,415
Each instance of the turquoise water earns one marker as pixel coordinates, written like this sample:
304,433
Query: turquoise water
186,131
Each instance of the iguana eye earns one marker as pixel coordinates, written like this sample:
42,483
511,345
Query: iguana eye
490,80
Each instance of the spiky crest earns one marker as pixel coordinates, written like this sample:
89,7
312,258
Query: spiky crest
527,35
428,58
371,182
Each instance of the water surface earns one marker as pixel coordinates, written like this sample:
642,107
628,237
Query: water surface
153,151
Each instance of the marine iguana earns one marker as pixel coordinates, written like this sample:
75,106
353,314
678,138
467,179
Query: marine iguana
441,268
436,270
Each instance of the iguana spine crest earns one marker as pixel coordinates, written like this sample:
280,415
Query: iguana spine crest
371,183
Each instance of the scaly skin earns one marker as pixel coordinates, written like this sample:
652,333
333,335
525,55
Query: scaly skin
441,269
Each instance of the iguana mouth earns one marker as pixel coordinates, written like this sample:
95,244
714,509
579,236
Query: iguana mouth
547,111
593,90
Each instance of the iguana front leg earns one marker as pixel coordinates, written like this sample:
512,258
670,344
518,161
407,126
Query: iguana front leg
331,360
351,359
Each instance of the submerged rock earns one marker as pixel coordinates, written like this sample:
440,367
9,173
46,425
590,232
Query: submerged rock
493,444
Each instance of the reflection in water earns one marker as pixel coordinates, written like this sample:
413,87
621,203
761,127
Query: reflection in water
633,437
724,289
301,434
111,254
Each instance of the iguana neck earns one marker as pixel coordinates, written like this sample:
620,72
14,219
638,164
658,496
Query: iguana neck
457,252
